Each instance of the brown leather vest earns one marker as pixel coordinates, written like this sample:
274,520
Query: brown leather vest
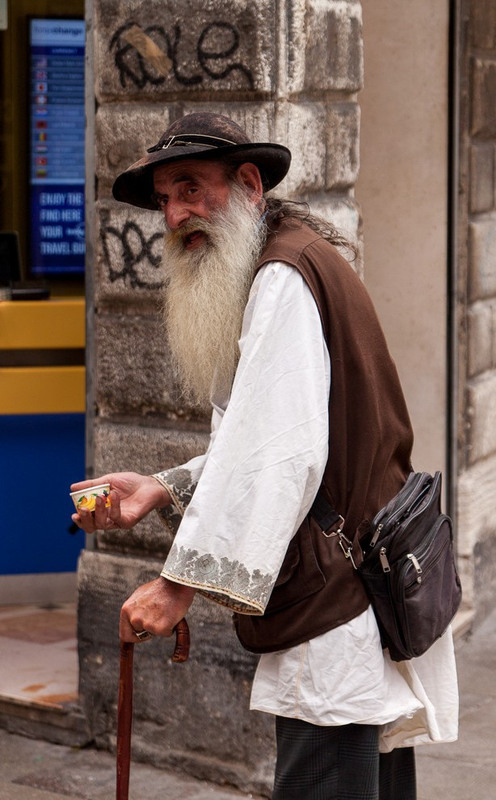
370,441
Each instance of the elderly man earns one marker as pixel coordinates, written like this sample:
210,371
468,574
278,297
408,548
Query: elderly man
260,309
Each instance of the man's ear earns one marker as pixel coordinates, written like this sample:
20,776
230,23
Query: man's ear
248,176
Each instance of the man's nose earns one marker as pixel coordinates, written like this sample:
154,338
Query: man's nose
176,214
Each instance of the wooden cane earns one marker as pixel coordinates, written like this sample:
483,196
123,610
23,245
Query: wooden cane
125,704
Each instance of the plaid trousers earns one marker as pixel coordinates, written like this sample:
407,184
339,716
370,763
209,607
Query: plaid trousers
339,763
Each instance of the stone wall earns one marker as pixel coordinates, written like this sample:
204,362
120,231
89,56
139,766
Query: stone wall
288,72
475,289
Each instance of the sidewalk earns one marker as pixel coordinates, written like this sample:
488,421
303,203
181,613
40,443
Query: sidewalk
466,769
36,770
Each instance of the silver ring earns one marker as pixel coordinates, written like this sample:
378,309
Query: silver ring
143,636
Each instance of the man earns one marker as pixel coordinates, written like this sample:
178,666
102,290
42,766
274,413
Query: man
261,310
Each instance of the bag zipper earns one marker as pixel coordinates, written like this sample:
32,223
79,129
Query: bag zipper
386,567
416,565
405,509
420,557
384,560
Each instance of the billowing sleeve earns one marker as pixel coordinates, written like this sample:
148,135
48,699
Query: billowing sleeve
265,463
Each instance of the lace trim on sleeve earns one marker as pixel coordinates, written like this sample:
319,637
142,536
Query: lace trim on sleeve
181,486
227,582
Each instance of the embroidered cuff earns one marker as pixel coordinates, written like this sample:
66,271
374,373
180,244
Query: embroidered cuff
227,582
181,486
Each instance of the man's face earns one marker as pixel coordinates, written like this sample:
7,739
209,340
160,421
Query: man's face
187,190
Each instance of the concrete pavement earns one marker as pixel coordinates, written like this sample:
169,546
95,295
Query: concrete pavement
31,769
466,769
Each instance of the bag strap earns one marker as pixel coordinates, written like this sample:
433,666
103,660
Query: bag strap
323,513
331,523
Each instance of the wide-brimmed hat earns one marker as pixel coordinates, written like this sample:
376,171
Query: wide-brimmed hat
203,136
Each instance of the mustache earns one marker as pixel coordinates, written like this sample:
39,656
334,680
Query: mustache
178,235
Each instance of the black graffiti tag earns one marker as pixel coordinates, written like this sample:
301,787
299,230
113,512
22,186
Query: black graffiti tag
134,68
205,55
136,250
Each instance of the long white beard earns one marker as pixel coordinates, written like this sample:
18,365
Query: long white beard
206,294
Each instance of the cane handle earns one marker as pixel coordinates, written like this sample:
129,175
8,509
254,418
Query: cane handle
181,650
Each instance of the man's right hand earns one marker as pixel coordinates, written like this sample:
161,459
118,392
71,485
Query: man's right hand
132,497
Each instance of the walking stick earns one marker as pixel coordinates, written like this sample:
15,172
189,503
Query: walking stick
125,704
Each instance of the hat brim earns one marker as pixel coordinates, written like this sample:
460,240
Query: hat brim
135,184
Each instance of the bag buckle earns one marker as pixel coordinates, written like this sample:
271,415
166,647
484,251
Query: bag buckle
347,547
345,544
336,529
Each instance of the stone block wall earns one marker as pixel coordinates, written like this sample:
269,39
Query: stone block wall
287,71
476,300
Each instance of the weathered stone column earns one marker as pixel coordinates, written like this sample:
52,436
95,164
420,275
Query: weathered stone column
475,313
288,72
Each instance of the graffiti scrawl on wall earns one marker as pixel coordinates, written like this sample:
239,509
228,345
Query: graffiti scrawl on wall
214,58
137,255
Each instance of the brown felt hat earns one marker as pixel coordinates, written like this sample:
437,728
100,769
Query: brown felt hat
203,136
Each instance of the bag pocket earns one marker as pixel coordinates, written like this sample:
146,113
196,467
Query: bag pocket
426,589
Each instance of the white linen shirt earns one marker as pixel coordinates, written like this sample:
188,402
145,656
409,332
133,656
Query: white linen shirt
237,507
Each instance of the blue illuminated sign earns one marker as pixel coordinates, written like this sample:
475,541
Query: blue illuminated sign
57,123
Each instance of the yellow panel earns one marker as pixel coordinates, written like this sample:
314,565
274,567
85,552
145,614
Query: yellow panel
39,324
42,390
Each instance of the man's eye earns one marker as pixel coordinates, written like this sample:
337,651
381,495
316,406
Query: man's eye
160,200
